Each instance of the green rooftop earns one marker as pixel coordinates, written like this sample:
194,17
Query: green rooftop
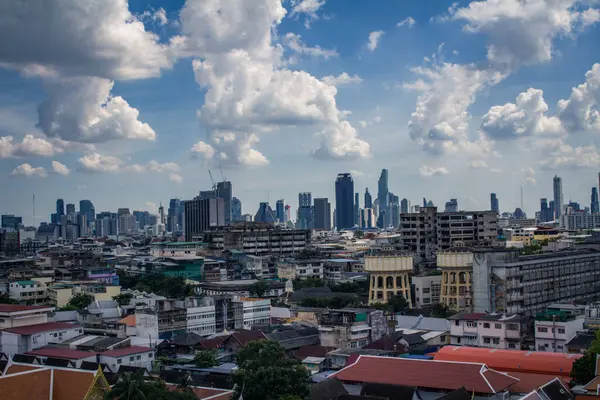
24,283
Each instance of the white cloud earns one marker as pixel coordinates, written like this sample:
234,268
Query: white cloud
529,176
356,173
428,171
560,156
478,164
203,149
27,170
524,118
581,111
83,110
294,42
408,21
155,166
341,79
341,142
60,169
96,162
363,124
173,177
159,16
29,146
308,7
374,38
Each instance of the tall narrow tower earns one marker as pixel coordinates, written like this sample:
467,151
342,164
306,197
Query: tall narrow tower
558,196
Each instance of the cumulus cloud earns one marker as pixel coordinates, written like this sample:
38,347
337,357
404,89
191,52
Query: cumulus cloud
524,118
374,38
429,171
26,169
408,21
341,79
100,163
173,177
341,141
309,8
32,145
294,42
478,164
203,150
581,111
559,156
158,16
529,176
95,162
60,169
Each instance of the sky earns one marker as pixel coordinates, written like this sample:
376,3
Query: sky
129,104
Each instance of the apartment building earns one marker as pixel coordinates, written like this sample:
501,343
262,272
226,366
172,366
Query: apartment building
250,312
134,356
28,291
14,315
300,269
201,319
428,231
553,330
351,327
505,281
456,265
164,320
427,290
497,331
175,249
389,276
22,339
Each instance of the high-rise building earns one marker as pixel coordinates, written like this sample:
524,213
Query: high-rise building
142,218
558,197
60,208
368,199
71,216
595,204
175,213
451,206
280,210
383,196
86,207
161,214
106,224
546,212
201,215
344,202
265,213
367,218
236,209
394,210
404,206
225,191
356,209
322,214
11,222
304,199
288,213
494,204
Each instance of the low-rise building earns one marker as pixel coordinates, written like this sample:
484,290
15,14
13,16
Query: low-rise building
351,327
553,330
241,288
251,312
496,331
134,356
175,249
28,291
201,320
76,357
164,320
290,270
23,339
14,315
427,290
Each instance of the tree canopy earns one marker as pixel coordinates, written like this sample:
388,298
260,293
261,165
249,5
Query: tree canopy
168,286
80,301
123,299
137,387
206,359
265,372
6,299
259,289
584,369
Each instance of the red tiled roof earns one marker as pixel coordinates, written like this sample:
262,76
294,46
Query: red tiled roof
529,382
8,308
426,374
214,343
511,360
62,353
126,351
243,337
128,320
37,328
206,393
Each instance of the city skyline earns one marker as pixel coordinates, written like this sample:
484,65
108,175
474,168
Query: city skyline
454,101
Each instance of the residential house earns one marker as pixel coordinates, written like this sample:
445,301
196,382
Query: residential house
24,339
15,315
351,327
554,330
28,291
133,356
75,357
494,330
239,340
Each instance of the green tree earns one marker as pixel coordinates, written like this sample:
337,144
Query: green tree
259,289
6,299
129,387
397,303
123,299
80,301
584,368
265,372
205,359
440,310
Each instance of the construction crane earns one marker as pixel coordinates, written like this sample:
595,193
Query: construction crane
222,176
212,181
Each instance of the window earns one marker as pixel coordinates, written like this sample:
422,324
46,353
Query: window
131,358
512,346
496,340
542,329
150,355
512,327
486,325
456,322
486,340
561,330
119,360
471,324
138,357
426,290
498,326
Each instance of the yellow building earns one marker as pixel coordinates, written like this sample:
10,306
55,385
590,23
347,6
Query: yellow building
60,294
456,265
389,276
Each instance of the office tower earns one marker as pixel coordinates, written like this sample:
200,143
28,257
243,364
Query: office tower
265,213
105,224
368,199
404,206
70,211
225,191
552,208
451,206
280,210
82,224
86,207
322,214
123,211
200,215
60,208
595,204
356,209
546,213
383,196
344,202
142,218
558,196
288,213
161,214
367,218
494,205
206,194
175,213
304,199
394,210
11,222
236,209
574,206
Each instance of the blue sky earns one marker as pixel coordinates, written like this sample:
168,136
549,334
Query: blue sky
130,103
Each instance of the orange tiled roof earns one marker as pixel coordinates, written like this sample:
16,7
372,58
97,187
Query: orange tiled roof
30,385
529,382
128,320
16,368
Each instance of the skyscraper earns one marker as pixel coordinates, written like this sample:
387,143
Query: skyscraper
304,199
451,206
368,199
175,213
344,202
545,212
383,196
494,205
71,213
595,205
558,197
236,209
60,208
288,212
86,207
322,214
280,210
404,206
225,191
161,215
265,213
394,210
202,214
356,209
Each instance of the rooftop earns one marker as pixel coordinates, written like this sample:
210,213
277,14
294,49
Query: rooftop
11,308
38,328
57,352
126,351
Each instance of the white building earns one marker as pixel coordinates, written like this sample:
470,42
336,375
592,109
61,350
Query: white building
175,249
134,356
552,332
252,312
427,290
495,331
28,291
22,339
14,315
201,320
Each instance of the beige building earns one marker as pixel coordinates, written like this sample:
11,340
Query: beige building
389,275
457,270
60,294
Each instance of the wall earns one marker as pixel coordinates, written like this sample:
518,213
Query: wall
146,325
139,360
13,343
23,320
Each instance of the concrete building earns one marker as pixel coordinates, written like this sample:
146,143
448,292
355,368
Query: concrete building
389,276
495,331
175,249
14,315
202,214
456,265
19,340
429,231
290,270
344,201
553,330
505,281
201,319
165,320
351,328
427,290
133,356
367,218
250,312
322,214
31,292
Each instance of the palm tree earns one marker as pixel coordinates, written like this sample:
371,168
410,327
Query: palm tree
128,387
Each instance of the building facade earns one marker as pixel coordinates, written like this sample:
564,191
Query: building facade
427,290
322,214
553,330
344,201
496,331
201,215
389,276
457,268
